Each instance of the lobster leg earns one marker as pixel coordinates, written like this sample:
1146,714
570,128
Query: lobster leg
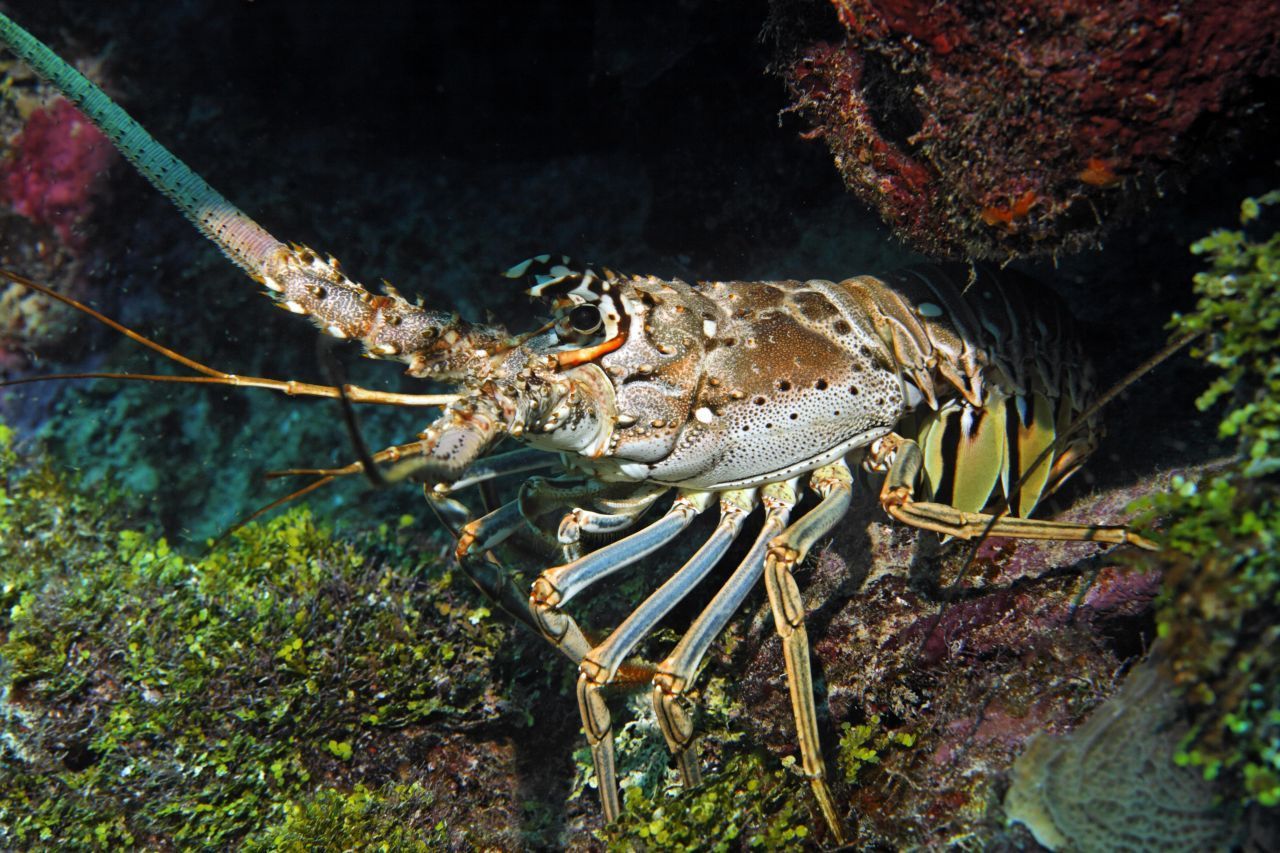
617,507
476,538
473,553
834,483
599,667
454,514
499,465
675,674
904,460
556,586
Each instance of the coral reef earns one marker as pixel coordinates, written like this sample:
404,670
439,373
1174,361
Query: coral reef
1112,784
1028,130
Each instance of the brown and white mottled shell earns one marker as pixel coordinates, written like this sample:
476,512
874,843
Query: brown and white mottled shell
752,381
728,384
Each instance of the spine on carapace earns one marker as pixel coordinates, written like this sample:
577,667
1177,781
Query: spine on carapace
241,239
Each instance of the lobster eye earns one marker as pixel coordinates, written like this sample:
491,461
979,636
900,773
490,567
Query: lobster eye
585,319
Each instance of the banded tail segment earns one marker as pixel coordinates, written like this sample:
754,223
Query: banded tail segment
244,241
1001,372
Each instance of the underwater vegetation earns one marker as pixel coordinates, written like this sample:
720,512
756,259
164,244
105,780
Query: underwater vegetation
1186,755
1216,614
1030,129
269,694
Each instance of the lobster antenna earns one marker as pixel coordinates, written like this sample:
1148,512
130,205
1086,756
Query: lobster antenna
1164,354
388,326
333,372
261,511
212,376
323,476
244,241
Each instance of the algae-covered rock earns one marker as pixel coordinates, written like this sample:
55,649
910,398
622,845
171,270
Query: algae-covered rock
1217,610
1185,755
287,688
1024,129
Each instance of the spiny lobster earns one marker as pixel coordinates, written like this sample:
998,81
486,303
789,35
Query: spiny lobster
957,384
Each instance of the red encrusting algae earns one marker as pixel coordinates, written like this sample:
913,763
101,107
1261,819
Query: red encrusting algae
53,167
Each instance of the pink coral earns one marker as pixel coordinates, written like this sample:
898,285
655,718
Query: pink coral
54,163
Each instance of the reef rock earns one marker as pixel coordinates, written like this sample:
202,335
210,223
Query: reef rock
1027,129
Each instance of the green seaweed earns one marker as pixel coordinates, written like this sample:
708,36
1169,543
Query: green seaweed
258,692
750,803
866,744
1221,586
358,820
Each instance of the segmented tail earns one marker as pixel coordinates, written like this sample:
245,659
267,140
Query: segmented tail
244,241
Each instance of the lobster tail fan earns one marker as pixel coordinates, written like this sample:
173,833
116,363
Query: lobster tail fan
246,243
979,455
1035,432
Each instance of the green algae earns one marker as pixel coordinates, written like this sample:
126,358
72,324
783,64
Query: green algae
359,820
750,803
154,699
1216,612
866,744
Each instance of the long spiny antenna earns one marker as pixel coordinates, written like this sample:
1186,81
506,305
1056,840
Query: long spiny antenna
1168,351
432,343
213,376
244,241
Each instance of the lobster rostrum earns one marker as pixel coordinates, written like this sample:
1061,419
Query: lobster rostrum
956,384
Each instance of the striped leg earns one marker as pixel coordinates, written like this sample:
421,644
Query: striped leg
484,569
616,507
903,460
599,667
501,465
556,586
675,675
834,484
454,514
537,497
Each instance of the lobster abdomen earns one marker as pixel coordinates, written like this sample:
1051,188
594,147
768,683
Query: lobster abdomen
1002,374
